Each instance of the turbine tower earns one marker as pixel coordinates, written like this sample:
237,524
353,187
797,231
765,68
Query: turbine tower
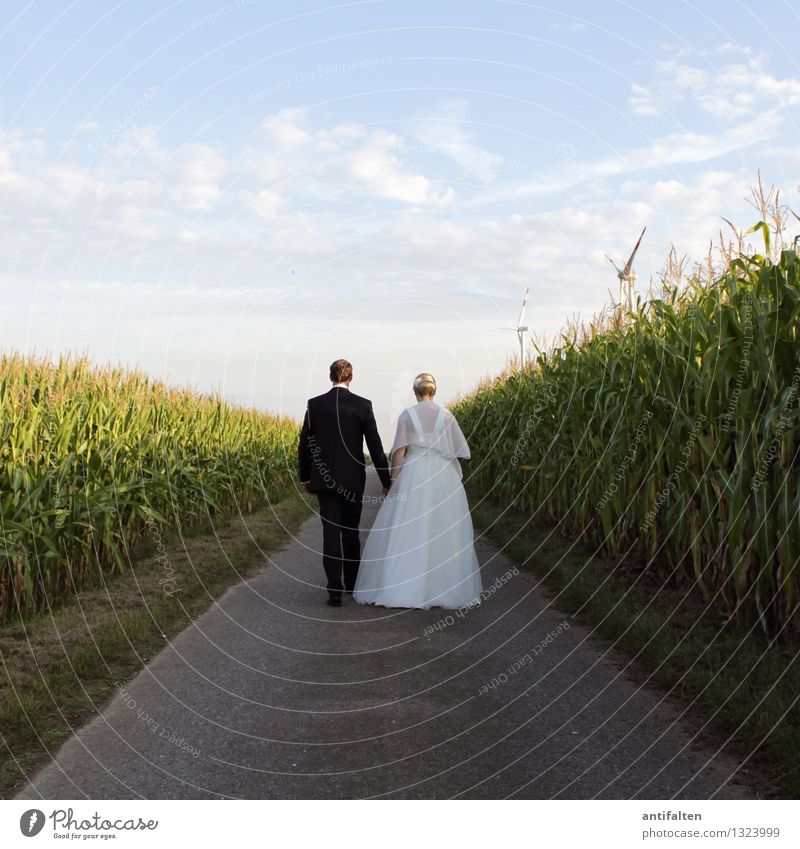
626,275
520,330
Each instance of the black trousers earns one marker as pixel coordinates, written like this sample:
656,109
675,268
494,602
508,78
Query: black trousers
341,547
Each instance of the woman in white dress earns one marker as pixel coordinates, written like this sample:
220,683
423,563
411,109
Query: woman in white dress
420,551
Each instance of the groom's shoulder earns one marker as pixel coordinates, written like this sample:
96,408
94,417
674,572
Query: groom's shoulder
317,399
360,400
329,399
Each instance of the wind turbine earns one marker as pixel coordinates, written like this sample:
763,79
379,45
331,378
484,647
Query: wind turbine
520,330
626,274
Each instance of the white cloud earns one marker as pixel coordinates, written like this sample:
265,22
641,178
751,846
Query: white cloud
196,171
374,168
725,92
347,208
643,102
729,107
133,143
266,203
285,129
442,133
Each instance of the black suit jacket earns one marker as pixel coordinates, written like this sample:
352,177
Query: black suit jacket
331,452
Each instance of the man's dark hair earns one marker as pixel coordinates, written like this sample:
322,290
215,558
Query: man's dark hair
341,371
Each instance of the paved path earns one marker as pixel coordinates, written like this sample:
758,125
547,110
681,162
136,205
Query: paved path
284,697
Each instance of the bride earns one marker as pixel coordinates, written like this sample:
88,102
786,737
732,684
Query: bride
420,551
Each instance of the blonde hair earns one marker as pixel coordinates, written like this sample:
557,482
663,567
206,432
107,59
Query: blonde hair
425,384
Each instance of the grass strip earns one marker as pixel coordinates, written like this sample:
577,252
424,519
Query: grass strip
59,668
730,680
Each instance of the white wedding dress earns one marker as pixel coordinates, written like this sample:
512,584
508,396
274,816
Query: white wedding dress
420,551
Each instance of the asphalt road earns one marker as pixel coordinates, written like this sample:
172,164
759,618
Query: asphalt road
272,694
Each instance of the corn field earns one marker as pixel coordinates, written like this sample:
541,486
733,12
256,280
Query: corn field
92,460
669,431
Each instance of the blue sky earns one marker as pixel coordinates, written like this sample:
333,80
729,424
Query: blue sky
231,195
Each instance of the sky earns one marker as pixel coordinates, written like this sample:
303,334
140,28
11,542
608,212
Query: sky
232,195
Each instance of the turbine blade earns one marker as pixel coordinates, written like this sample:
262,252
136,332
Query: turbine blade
619,270
522,311
629,263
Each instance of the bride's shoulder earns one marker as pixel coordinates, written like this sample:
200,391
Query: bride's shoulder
450,417
405,417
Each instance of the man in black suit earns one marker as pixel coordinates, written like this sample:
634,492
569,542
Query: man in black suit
331,460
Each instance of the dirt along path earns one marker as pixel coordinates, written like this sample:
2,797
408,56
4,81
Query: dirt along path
273,694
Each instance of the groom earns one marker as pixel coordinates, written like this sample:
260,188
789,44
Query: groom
331,459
